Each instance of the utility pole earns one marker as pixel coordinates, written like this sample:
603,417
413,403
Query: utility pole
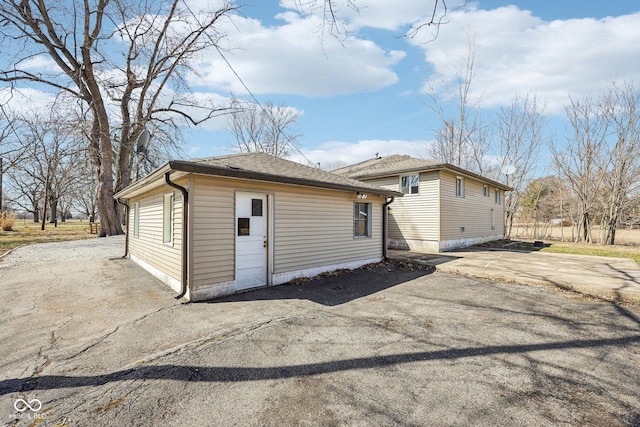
1,184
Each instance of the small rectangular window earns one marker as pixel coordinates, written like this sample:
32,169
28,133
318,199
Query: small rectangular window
459,186
136,219
410,184
362,220
243,226
486,191
167,218
497,196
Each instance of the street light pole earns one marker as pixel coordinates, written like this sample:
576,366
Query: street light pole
1,184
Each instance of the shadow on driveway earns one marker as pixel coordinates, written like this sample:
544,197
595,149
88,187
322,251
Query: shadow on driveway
247,373
336,289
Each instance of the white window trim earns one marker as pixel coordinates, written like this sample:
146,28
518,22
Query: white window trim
486,190
410,193
167,234
461,194
497,198
369,220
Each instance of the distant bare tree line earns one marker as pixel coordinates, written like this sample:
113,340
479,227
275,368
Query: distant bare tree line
47,169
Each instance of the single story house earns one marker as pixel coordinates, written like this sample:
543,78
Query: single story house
215,226
444,206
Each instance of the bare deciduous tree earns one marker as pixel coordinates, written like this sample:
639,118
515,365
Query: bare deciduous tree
123,51
581,162
622,107
266,128
462,139
48,169
521,134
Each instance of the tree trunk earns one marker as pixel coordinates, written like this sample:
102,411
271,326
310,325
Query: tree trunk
53,208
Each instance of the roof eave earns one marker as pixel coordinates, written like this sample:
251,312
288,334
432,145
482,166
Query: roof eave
226,171
152,177
442,166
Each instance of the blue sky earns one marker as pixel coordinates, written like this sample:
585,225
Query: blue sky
370,95
369,91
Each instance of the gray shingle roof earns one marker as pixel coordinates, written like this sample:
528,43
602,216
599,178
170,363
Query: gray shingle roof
264,167
387,165
399,164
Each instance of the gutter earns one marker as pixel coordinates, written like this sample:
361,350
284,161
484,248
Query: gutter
126,236
185,216
232,172
385,220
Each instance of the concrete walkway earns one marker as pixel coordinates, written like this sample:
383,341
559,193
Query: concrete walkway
615,279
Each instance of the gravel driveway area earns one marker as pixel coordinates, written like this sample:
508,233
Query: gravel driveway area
87,338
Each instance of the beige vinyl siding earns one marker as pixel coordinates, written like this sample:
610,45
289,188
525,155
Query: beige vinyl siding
473,211
213,232
312,228
148,245
414,216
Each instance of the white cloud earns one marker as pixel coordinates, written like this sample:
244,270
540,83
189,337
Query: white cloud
26,100
518,53
38,63
290,59
380,14
336,153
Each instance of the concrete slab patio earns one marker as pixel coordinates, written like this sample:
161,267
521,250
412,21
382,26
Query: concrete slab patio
616,279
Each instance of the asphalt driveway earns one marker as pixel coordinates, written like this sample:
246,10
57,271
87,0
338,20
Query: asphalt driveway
98,341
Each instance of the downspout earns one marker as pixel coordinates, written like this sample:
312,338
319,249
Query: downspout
126,236
385,220
185,216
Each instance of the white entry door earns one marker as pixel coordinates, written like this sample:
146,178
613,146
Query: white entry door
251,240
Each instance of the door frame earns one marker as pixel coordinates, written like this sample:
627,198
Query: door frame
269,224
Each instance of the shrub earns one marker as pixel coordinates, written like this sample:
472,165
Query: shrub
7,219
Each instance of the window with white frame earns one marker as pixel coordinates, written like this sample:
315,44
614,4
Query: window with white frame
136,219
497,196
362,219
459,186
167,218
410,184
486,191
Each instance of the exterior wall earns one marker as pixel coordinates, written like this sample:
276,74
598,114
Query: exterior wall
415,218
471,219
312,233
163,260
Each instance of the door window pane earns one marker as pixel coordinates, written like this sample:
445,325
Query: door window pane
256,207
243,226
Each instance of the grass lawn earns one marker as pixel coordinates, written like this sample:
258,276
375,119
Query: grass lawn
632,252
26,232
618,251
